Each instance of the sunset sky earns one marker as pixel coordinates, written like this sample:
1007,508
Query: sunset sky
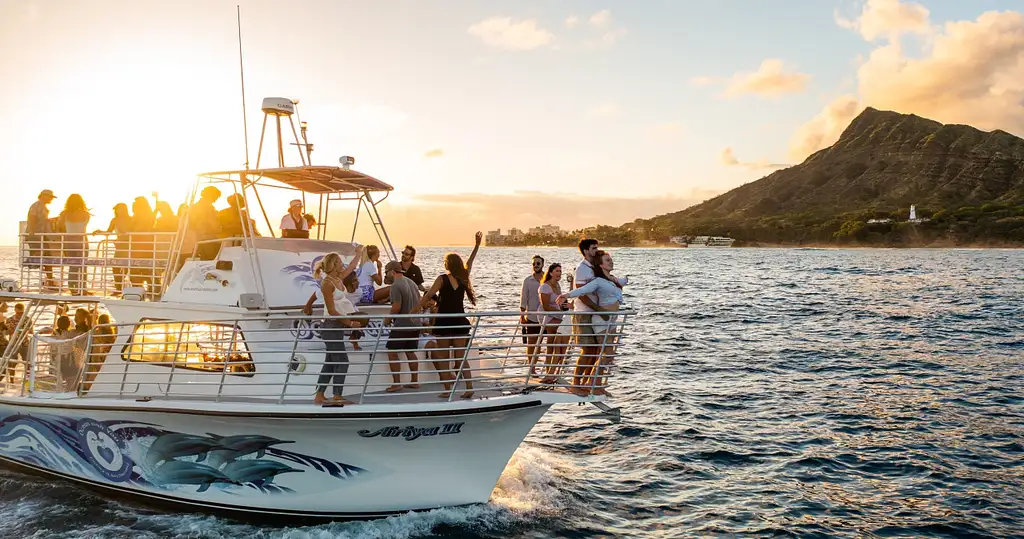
484,114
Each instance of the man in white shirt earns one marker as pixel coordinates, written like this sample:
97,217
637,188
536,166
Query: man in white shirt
581,319
294,224
529,304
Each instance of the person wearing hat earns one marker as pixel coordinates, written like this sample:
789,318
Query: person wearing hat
37,227
294,224
405,333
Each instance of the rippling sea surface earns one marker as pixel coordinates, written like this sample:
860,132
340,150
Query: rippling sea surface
767,392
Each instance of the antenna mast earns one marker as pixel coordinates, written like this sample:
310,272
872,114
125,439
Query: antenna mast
241,73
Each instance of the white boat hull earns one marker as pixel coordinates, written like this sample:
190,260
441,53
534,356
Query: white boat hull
299,463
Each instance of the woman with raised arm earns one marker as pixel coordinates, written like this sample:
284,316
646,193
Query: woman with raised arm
452,332
330,272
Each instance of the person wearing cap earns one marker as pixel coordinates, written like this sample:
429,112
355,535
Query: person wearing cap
294,224
204,223
37,227
405,333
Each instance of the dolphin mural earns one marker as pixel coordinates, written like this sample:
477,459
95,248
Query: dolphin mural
234,447
258,472
177,472
170,446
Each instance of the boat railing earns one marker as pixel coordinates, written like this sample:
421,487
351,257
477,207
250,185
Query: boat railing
281,359
98,264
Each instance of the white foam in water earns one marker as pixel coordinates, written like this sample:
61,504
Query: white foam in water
528,488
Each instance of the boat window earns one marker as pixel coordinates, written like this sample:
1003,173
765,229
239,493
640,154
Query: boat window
191,345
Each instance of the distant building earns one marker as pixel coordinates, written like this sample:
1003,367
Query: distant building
913,215
879,221
494,237
680,240
545,230
515,234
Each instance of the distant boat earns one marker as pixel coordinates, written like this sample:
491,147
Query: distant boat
710,241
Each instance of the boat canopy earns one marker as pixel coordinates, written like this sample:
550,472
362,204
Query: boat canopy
310,179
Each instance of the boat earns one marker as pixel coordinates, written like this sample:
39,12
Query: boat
701,241
198,393
710,241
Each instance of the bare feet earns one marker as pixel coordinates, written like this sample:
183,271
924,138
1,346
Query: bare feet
339,400
394,388
580,391
467,395
446,395
319,398
412,386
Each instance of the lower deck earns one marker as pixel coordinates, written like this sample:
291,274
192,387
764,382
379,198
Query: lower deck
172,353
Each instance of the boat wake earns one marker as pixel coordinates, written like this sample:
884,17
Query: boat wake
530,489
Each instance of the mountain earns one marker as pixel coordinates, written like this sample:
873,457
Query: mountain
969,182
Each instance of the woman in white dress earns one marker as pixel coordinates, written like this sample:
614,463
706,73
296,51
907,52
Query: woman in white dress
73,222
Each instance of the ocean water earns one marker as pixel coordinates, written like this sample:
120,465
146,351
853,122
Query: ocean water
766,392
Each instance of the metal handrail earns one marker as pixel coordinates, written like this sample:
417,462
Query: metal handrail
248,363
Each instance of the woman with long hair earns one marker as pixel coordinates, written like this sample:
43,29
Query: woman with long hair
73,222
121,225
331,272
370,277
554,325
452,332
608,289
142,247
166,220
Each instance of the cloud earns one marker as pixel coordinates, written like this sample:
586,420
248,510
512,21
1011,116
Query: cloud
969,72
604,110
703,80
512,34
571,21
824,129
436,152
770,80
729,159
609,33
601,19
887,18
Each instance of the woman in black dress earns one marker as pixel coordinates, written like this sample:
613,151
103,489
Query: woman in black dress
452,332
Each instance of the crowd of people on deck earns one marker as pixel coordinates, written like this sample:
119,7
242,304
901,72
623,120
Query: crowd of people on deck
545,317
136,234
548,320
69,345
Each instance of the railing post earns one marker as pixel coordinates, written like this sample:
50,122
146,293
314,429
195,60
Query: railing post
288,367
464,360
30,365
87,362
373,358
227,359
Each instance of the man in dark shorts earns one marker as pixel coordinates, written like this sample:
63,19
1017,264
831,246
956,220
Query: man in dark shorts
583,310
529,305
405,333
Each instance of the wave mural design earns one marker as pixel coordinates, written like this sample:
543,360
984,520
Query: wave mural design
145,455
